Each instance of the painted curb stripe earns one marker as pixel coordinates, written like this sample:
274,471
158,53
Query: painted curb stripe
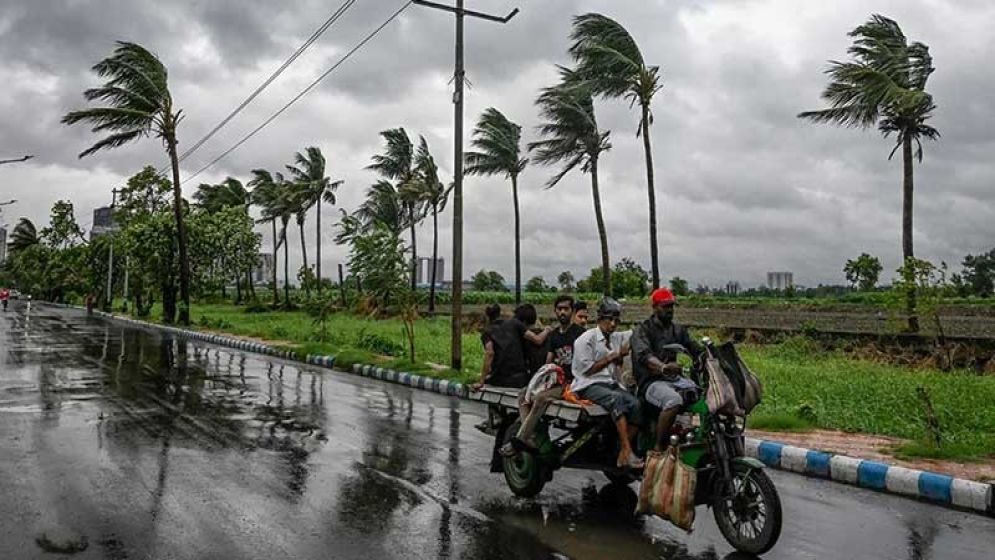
817,463
936,487
770,453
871,474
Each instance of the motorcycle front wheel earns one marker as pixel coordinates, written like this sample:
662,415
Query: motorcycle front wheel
750,519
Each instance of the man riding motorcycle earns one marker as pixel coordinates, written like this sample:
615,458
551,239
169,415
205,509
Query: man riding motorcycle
658,375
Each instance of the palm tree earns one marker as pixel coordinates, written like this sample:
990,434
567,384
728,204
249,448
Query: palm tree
24,235
428,189
496,140
397,164
309,172
609,59
571,138
885,84
138,105
383,206
270,193
300,203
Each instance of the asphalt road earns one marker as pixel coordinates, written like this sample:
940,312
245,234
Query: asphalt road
134,446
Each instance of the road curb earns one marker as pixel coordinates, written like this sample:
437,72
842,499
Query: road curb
928,486
923,485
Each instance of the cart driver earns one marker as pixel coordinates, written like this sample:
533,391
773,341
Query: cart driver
657,372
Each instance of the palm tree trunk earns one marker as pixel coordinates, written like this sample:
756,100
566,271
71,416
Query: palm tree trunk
651,190
907,252
518,241
414,248
276,254
606,273
286,268
435,256
317,261
181,230
307,289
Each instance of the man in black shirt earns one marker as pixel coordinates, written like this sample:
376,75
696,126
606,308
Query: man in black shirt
560,351
657,372
561,340
504,349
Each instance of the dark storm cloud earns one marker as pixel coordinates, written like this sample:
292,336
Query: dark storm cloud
743,185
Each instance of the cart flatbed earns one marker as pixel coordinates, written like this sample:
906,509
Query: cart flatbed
564,410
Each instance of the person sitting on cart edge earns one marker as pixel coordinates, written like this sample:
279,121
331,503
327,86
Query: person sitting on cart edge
657,372
504,349
559,351
598,353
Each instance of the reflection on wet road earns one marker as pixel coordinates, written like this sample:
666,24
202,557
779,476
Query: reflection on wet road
129,444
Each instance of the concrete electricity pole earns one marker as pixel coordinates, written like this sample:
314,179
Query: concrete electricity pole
109,306
456,357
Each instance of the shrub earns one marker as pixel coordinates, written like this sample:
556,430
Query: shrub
378,344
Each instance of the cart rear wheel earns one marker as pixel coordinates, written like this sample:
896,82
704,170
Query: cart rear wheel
523,472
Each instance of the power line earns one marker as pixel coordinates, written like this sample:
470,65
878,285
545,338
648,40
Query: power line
302,93
310,40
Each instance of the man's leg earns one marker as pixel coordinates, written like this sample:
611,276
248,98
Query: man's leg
538,408
623,407
661,395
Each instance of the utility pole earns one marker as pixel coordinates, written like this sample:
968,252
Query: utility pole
109,306
456,357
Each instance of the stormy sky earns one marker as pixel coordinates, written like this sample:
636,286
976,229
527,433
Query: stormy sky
743,186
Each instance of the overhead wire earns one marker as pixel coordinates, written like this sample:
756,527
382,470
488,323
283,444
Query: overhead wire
303,92
336,15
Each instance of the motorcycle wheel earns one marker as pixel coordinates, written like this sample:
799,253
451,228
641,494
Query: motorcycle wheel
523,472
751,519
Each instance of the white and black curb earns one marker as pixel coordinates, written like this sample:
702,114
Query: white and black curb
928,486
923,485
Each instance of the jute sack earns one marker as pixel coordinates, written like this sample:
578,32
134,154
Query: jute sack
668,487
721,395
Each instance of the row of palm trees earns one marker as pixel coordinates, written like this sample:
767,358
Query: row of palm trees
883,85
280,198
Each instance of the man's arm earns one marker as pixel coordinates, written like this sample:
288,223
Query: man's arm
538,339
488,362
642,351
585,364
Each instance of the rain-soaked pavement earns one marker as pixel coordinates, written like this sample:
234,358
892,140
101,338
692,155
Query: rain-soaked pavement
135,445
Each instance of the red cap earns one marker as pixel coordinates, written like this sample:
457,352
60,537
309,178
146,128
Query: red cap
662,295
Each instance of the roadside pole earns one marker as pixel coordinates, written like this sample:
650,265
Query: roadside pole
456,356
109,305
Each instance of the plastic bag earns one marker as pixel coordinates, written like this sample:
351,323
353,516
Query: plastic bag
668,488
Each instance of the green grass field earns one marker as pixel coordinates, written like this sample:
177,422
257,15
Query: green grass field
804,386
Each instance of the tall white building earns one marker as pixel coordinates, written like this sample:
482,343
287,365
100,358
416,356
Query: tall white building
780,281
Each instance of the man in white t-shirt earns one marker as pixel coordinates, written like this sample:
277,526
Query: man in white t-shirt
597,361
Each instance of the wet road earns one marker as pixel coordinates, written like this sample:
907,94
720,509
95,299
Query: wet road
137,446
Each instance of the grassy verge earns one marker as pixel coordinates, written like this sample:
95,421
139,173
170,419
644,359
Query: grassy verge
804,387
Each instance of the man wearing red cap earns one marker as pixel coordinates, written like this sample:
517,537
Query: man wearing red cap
660,383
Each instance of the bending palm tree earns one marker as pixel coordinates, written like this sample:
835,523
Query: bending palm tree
269,194
24,235
497,140
571,138
310,172
609,59
139,104
397,164
301,202
885,85
383,206
429,190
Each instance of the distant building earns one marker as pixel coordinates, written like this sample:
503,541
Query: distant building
780,281
263,271
423,271
3,244
103,221
732,288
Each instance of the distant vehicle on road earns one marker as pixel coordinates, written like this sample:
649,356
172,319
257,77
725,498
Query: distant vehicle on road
14,294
